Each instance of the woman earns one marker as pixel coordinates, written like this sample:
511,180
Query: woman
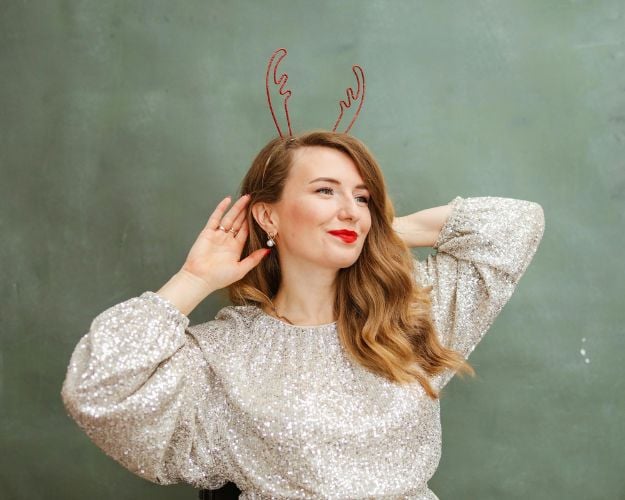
323,379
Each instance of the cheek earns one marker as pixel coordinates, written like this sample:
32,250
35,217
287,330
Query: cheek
365,222
306,215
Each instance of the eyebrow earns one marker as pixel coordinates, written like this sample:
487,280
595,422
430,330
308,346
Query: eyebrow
334,181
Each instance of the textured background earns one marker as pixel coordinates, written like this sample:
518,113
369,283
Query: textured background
123,123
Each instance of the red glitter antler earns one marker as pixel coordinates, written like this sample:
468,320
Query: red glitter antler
281,81
360,95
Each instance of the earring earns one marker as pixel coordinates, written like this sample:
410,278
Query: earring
270,241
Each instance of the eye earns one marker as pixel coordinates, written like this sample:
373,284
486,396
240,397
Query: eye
364,199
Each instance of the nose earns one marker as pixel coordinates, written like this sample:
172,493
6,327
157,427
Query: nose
349,210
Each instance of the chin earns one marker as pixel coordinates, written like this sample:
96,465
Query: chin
342,263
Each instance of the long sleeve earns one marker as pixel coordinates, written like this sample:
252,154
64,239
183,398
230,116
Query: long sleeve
483,249
137,384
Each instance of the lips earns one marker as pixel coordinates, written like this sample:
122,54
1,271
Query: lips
345,235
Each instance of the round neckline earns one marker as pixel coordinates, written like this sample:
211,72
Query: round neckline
282,323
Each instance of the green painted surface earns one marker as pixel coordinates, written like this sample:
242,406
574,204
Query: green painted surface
124,123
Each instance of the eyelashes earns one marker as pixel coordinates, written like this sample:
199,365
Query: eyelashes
365,198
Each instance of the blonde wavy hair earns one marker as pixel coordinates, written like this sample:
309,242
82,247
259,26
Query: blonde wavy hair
384,317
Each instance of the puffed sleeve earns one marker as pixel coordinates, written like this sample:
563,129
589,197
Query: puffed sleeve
483,249
136,384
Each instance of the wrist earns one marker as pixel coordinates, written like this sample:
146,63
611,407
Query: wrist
185,291
194,282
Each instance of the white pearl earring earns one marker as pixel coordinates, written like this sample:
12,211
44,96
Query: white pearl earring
270,241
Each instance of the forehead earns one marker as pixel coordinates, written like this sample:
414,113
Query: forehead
310,162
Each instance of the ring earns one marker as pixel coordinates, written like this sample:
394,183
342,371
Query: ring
227,230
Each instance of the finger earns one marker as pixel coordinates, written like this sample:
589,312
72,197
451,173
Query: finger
238,221
215,218
242,233
253,259
234,212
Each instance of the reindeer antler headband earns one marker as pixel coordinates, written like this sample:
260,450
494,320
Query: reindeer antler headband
272,70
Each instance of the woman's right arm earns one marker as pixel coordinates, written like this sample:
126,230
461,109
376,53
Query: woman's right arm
138,383
134,384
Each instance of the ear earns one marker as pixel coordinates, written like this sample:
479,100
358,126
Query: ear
265,216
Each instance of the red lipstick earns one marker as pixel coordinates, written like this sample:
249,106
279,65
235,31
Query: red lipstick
346,235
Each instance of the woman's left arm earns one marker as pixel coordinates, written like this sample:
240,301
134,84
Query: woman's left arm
482,250
421,229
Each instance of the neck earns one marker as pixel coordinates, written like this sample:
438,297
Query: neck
306,295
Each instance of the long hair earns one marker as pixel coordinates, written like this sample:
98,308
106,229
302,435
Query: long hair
384,317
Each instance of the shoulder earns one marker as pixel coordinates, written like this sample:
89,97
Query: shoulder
238,314
230,322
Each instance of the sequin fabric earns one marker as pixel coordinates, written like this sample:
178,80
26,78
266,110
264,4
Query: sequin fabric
279,409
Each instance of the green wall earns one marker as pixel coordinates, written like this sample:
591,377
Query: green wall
123,123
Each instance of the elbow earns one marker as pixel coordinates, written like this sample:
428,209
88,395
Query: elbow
537,215
531,219
532,231
73,403
79,402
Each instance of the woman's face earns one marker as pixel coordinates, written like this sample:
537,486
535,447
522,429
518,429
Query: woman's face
323,192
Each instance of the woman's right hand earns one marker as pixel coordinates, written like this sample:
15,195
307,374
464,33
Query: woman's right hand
214,257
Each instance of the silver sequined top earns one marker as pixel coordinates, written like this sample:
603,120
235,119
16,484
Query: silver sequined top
279,409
